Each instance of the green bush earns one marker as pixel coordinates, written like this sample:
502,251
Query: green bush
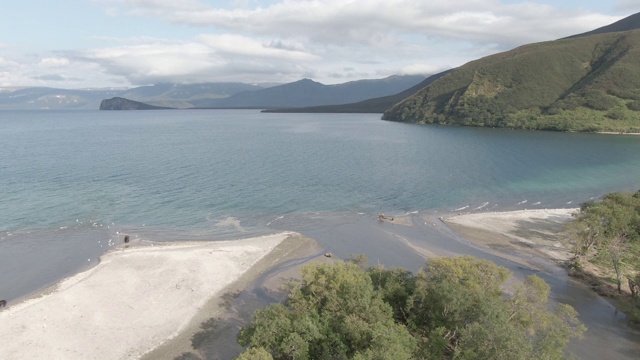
598,100
634,106
453,308
615,114
628,94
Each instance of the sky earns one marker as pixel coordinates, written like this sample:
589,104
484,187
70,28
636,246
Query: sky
127,43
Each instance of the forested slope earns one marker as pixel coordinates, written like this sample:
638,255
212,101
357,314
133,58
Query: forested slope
590,83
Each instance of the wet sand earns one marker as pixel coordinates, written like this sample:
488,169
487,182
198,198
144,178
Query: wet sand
408,243
536,240
209,331
212,331
134,300
420,236
523,232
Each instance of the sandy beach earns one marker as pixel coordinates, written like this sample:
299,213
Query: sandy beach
133,301
151,302
522,232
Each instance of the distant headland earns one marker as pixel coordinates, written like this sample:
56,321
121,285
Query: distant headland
119,103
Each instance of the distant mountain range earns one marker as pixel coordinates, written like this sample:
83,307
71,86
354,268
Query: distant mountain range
165,95
375,105
588,82
50,98
307,92
585,82
187,95
211,95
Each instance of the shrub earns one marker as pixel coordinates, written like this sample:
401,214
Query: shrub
615,114
453,308
634,106
598,100
628,94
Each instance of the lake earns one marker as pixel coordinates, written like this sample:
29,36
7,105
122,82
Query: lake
73,182
73,178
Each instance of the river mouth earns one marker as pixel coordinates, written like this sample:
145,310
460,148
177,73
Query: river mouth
407,242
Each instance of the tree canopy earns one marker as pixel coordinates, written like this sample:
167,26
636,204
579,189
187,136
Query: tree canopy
453,308
611,230
608,232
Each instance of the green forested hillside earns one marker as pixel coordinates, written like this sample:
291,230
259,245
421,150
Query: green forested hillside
589,83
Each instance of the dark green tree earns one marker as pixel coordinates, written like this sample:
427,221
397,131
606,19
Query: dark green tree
453,308
459,307
612,228
333,313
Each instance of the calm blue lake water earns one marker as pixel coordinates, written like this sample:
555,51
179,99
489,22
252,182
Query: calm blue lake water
201,171
79,179
73,182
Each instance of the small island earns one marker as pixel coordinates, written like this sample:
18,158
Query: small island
119,103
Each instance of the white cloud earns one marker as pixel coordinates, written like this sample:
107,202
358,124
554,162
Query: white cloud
138,63
628,5
382,21
285,40
206,58
420,69
296,38
54,62
51,71
51,77
6,64
245,46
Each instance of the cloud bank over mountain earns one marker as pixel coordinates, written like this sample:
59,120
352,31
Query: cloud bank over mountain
138,42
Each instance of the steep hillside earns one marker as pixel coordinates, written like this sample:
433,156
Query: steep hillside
589,83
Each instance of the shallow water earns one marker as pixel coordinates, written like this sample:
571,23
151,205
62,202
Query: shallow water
74,182
609,336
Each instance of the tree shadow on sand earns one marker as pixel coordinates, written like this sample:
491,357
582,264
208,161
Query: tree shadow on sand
217,336
551,229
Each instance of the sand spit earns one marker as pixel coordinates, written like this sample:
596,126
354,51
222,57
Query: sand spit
130,303
525,231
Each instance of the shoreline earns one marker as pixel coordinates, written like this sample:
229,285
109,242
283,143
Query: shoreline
135,300
295,246
523,234
616,133
210,331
